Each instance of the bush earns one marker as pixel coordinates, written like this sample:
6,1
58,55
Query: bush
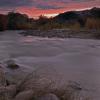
3,22
24,26
74,26
92,23
49,26
19,21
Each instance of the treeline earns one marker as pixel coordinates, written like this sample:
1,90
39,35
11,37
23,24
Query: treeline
44,23
89,19
3,22
15,21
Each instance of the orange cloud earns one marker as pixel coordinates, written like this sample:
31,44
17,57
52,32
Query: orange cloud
34,12
51,7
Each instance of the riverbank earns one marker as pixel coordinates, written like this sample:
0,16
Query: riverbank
64,33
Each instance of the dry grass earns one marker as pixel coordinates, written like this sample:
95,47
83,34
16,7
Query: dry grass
92,23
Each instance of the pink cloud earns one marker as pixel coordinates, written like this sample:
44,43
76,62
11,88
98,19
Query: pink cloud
36,8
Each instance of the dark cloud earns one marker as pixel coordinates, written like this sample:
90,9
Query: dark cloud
82,0
42,4
48,7
15,3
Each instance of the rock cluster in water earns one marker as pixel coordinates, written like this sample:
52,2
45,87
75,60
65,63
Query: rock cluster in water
64,33
37,88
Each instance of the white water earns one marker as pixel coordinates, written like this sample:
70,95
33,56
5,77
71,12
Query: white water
74,59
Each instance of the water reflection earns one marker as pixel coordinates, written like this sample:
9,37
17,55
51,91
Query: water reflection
27,39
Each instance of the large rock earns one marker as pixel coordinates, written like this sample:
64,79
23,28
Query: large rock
25,95
3,94
11,91
48,97
2,77
6,92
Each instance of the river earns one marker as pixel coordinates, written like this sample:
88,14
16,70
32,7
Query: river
73,59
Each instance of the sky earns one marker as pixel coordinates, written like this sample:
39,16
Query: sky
35,8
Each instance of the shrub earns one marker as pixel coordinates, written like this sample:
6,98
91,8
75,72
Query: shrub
49,26
92,23
42,20
24,26
19,21
3,22
75,26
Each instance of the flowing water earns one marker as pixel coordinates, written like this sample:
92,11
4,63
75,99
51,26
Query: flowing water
73,59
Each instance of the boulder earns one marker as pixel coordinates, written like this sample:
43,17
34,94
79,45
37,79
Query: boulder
2,77
3,94
7,93
25,95
48,97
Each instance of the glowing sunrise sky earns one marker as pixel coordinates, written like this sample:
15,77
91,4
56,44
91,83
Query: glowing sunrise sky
35,8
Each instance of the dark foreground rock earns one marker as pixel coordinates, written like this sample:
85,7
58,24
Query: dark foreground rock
48,97
12,65
6,92
25,95
37,87
2,77
3,94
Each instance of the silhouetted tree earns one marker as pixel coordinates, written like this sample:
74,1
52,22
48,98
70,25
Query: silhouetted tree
42,20
3,22
16,19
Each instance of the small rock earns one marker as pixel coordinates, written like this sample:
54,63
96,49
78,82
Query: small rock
74,85
48,97
11,64
8,92
25,95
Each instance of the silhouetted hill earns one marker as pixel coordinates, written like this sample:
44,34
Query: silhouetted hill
77,16
95,12
67,16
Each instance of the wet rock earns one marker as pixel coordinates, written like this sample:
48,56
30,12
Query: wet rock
74,91
7,93
3,94
25,95
2,78
48,97
75,86
12,65
11,90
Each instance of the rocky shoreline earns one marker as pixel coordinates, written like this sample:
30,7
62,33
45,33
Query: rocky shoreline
40,88
64,33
